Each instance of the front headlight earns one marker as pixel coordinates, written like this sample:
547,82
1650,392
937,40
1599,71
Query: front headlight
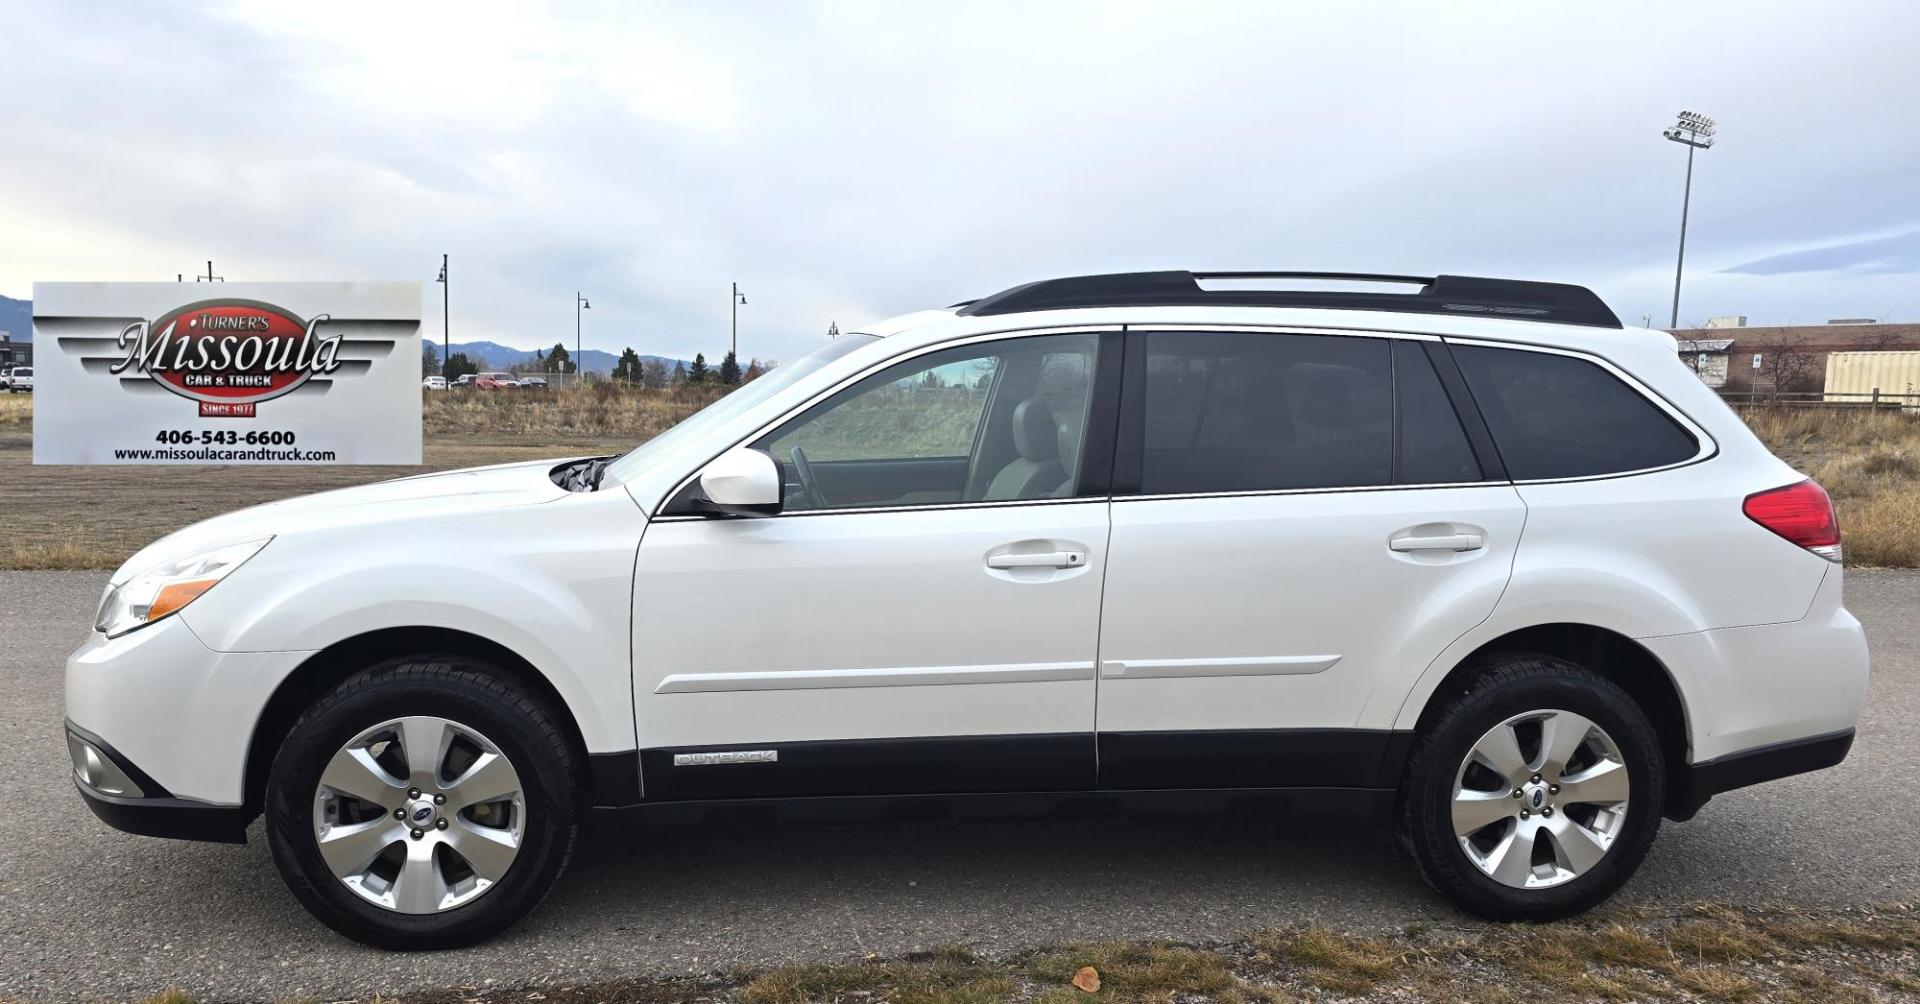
165,588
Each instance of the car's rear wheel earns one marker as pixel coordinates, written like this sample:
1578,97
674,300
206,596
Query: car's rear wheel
1534,793
425,803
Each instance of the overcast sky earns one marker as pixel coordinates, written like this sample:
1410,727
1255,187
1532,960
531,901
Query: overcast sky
845,161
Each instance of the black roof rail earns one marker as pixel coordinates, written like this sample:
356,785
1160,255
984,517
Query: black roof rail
1441,294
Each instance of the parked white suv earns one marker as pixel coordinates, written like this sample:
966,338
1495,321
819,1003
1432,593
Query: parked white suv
1474,556
18,380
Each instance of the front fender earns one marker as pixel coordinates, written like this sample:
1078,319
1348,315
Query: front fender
551,583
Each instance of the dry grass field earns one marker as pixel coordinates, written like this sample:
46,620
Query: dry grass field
1869,461
1707,953
94,517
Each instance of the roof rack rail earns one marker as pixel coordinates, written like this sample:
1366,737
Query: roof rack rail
1441,294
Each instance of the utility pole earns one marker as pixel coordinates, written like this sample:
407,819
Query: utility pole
1695,132
734,303
833,329
446,324
209,277
579,304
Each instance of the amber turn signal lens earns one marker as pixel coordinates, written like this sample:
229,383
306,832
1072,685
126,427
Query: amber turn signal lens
175,595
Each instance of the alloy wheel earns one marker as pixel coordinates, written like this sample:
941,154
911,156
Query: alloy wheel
419,814
1540,798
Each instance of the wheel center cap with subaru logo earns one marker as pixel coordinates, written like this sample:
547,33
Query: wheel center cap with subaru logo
421,812
1534,796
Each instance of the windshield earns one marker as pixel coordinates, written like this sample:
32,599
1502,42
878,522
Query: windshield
734,404
739,402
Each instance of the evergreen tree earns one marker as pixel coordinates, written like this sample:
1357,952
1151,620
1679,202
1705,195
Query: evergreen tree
730,370
679,373
627,370
557,361
458,365
697,373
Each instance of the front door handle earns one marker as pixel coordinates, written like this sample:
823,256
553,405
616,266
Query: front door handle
1440,542
1045,559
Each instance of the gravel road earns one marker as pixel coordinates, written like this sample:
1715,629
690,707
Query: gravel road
89,913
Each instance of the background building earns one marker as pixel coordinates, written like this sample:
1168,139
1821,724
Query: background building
14,353
1790,359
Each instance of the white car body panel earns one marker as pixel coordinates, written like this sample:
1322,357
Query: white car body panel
1265,611
838,626
1304,576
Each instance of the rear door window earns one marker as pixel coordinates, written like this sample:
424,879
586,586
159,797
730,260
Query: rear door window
1557,416
1253,411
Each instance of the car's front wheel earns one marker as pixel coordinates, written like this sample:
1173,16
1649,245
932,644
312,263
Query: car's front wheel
424,803
1534,793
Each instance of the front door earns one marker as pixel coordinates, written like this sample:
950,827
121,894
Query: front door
1299,519
921,617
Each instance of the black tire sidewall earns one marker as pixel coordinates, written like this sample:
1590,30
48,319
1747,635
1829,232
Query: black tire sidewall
447,688
1515,686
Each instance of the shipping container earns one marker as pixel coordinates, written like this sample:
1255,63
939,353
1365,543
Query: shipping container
1856,376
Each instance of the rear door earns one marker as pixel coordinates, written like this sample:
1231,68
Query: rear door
1298,518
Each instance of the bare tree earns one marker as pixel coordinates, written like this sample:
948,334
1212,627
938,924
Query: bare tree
1787,366
1883,341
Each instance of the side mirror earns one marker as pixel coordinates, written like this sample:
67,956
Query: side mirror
741,482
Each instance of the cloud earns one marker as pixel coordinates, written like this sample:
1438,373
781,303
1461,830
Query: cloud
1899,254
846,161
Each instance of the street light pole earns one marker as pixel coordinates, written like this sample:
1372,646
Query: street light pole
446,325
734,303
1695,132
579,303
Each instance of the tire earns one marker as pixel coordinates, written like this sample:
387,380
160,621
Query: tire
1530,697
443,900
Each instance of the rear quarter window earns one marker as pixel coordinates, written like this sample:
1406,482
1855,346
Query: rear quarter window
1556,416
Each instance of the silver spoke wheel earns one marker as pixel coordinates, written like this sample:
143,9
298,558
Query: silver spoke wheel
1539,799
419,814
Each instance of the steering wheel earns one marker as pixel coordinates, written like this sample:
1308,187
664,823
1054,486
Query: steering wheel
808,483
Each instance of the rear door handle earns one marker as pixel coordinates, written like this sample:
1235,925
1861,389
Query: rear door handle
1443,542
1045,559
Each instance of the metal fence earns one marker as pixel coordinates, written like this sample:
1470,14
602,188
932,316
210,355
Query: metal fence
1822,399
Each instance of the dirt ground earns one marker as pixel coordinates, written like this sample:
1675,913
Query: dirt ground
95,517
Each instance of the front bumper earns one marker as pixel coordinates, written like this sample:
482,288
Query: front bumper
126,798
181,711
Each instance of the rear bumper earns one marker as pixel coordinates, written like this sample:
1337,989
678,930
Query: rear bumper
138,804
1701,781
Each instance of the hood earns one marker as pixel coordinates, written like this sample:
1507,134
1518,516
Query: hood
442,494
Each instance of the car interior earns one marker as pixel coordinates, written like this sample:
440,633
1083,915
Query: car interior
976,423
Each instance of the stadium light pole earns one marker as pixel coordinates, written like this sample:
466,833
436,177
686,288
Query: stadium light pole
734,303
579,304
1695,132
446,326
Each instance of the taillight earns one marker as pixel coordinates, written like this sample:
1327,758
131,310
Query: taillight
1801,513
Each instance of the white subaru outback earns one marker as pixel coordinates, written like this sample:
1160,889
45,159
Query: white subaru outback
1469,555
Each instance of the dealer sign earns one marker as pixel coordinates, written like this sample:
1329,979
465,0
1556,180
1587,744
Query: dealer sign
227,373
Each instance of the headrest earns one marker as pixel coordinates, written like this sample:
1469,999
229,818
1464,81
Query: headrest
1034,433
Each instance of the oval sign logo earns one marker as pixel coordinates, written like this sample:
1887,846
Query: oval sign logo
234,352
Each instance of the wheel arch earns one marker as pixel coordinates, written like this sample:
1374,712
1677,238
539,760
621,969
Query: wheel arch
1619,658
324,669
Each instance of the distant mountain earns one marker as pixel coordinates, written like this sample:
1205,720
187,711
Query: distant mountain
16,318
495,356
